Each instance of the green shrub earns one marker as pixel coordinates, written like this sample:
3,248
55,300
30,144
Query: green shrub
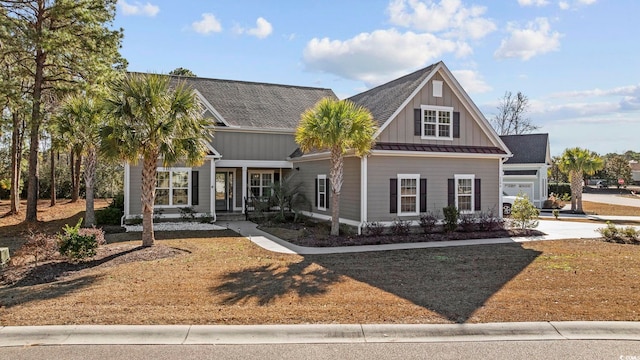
561,188
613,234
400,227
118,201
524,214
108,216
451,214
428,222
76,245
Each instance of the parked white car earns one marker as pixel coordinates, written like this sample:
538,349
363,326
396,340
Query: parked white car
507,203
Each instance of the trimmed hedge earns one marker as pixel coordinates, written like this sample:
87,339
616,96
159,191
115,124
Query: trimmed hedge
560,189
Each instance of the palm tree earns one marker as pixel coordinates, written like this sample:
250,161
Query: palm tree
152,119
78,125
576,163
337,126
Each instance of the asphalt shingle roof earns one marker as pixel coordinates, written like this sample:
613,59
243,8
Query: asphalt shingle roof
527,148
258,105
385,99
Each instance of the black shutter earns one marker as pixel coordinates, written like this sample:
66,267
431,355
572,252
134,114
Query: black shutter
417,122
423,195
276,177
451,192
393,196
477,192
315,195
194,188
456,124
327,190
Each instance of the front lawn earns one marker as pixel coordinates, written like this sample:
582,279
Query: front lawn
221,278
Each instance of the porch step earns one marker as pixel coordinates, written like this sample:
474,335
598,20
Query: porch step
229,217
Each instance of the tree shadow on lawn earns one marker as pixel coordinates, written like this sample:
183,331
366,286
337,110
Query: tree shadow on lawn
267,283
453,282
14,296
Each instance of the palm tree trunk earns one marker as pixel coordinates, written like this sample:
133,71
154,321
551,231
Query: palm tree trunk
149,173
89,176
76,163
576,191
336,173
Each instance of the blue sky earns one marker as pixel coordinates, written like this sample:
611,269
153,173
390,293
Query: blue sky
578,61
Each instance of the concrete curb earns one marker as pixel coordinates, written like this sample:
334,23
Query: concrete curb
313,334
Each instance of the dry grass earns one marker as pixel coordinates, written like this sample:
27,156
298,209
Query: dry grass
219,278
609,209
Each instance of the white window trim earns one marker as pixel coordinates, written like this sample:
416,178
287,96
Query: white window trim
252,172
322,177
171,170
415,177
438,109
473,191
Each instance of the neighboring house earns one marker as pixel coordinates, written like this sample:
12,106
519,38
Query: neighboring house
635,172
526,171
434,148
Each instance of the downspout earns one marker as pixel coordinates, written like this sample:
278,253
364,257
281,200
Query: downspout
363,194
500,186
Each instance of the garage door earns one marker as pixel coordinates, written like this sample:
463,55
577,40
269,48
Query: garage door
516,188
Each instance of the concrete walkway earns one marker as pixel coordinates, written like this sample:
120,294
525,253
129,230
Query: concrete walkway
312,334
555,230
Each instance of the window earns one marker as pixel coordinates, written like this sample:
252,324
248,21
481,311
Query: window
408,190
464,193
260,183
172,187
322,186
437,122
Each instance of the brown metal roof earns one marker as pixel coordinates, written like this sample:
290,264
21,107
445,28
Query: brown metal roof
440,148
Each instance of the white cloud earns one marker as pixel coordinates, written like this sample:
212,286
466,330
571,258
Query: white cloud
631,90
262,30
471,81
538,3
566,5
207,25
448,16
524,43
376,57
138,8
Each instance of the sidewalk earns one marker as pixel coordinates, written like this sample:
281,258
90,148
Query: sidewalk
312,334
555,230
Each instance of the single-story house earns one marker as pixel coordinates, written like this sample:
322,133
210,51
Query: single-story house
635,172
434,148
526,171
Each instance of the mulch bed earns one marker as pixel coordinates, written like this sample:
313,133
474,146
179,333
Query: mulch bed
313,237
59,267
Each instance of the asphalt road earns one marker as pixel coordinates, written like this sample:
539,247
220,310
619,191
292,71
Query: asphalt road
614,199
563,349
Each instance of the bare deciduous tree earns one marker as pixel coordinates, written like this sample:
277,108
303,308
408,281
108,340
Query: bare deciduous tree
511,119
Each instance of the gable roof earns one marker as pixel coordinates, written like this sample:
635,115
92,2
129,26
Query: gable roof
382,101
528,148
256,105
387,100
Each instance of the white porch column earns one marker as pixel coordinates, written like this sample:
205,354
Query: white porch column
212,191
244,186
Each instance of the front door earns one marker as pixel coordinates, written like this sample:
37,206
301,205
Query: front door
224,191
